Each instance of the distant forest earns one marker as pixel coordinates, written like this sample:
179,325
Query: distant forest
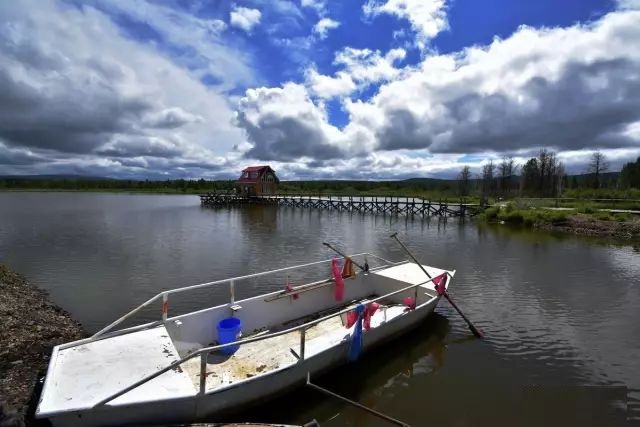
541,176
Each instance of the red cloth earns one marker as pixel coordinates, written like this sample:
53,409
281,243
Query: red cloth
368,314
290,289
337,276
352,316
410,302
440,283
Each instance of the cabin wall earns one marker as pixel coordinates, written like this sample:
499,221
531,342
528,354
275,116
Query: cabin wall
199,329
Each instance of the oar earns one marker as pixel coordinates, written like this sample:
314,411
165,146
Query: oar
330,246
473,329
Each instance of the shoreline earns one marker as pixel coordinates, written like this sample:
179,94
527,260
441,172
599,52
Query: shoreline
576,224
32,326
588,226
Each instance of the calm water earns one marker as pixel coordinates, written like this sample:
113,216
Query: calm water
558,312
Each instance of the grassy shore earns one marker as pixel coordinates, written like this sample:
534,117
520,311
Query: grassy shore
31,326
583,220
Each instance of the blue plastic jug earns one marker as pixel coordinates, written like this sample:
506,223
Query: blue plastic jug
229,330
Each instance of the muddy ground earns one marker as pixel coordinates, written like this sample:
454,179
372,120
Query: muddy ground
31,326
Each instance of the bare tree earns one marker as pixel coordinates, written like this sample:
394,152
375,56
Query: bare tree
506,170
597,166
463,180
488,171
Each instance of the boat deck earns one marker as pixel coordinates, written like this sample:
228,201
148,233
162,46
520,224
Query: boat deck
88,373
275,353
85,374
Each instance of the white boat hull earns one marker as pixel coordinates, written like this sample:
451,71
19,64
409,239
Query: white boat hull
140,409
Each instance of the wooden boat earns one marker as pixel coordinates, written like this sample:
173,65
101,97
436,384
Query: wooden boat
171,370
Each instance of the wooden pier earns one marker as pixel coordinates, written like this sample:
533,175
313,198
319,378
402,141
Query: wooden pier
396,205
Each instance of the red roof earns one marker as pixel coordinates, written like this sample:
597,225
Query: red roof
261,170
254,168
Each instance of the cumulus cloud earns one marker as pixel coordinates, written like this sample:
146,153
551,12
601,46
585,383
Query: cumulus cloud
427,17
244,18
322,86
567,88
368,65
171,118
323,26
141,146
574,88
284,124
360,68
71,86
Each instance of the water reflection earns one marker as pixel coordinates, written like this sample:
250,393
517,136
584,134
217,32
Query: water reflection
556,309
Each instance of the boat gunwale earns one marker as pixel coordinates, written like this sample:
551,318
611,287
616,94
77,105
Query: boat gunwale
207,350
230,280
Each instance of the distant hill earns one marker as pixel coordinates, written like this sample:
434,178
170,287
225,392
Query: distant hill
428,180
58,178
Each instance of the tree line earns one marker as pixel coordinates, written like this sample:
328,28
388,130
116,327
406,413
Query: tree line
543,176
103,184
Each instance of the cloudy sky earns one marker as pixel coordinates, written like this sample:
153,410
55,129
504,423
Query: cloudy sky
356,89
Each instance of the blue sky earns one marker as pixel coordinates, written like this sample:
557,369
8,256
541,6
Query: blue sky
374,89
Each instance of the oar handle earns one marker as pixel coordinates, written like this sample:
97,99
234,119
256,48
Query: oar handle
395,236
330,246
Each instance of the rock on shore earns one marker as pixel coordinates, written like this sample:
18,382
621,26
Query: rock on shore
31,326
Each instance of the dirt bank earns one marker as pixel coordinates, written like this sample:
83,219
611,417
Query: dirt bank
31,326
589,226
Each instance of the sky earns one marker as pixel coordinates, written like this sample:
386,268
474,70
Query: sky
318,89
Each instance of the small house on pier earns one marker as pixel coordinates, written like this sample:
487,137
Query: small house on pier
257,181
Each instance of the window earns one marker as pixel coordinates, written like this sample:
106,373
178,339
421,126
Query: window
253,175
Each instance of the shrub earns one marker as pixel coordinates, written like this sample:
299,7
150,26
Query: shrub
491,213
585,209
603,216
622,217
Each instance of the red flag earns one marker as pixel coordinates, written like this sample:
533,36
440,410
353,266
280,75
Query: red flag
440,283
337,276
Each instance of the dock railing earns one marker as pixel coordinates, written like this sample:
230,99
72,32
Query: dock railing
204,351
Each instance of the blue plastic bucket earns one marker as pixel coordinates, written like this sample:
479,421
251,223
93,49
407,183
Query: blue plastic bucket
229,331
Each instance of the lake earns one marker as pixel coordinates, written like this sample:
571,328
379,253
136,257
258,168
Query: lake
559,312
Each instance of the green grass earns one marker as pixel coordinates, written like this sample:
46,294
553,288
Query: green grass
523,216
520,214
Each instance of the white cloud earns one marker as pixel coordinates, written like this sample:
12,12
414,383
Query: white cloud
320,6
82,94
329,87
323,26
370,66
245,18
361,68
427,17
569,89
284,124
199,40
629,4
